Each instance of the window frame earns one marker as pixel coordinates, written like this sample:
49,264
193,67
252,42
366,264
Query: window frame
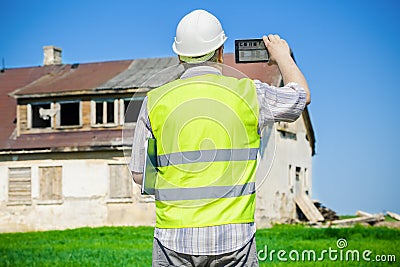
298,173
93,111
14,202
305,178
287,135
58,114
29,115
120,199
42,201
122,109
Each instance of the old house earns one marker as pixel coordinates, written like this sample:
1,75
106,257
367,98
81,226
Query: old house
66,132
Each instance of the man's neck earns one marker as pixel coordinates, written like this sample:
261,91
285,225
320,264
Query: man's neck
200,70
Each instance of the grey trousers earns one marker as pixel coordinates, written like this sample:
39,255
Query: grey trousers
246,257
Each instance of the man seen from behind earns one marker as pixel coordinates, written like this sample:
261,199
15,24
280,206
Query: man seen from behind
207,130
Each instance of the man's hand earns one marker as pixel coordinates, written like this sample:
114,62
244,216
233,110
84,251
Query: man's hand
278,48
279,53
137,177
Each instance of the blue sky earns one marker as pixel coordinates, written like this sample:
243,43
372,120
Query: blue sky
348,50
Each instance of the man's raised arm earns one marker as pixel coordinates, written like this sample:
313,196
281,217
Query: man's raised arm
279,52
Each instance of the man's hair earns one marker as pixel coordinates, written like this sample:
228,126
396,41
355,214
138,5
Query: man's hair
215,57
193,62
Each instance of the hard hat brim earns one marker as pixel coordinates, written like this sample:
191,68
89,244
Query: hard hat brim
212,48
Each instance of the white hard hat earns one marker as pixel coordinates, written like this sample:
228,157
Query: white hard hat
197,34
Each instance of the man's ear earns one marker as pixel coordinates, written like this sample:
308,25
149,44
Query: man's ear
221,54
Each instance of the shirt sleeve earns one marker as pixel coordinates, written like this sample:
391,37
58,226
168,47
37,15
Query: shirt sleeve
279,103
142,133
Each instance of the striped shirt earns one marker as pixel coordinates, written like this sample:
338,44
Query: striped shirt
275,104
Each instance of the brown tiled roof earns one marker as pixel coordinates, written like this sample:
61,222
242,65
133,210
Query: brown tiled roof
30,81
10,80
74,77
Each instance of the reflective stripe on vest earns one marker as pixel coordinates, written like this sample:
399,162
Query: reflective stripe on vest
188,157
207,142
209,192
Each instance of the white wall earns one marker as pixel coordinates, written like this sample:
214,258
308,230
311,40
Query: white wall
85,186
275,197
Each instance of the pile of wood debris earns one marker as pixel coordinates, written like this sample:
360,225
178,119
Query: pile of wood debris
316,214
327,213
363,218
366,218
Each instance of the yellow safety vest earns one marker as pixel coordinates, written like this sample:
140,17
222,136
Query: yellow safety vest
207,143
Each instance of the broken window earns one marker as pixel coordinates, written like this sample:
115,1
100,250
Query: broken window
40,115
131,109
19,185
120,181
69,114
50,183
104,112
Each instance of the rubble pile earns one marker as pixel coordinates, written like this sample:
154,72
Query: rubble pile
327,213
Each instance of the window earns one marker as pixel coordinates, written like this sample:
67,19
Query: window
305,177
50,183
120,182
298,187
19,185
39,115
130,109
69,114
99,112
290,178
104,112
298,170
287,135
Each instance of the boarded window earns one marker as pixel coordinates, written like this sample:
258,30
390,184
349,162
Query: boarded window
132,109
50,183
19,185
120,181
69,114
38,118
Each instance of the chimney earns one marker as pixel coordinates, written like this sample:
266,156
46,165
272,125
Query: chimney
52,55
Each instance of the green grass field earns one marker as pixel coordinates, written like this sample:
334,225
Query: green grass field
132,246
